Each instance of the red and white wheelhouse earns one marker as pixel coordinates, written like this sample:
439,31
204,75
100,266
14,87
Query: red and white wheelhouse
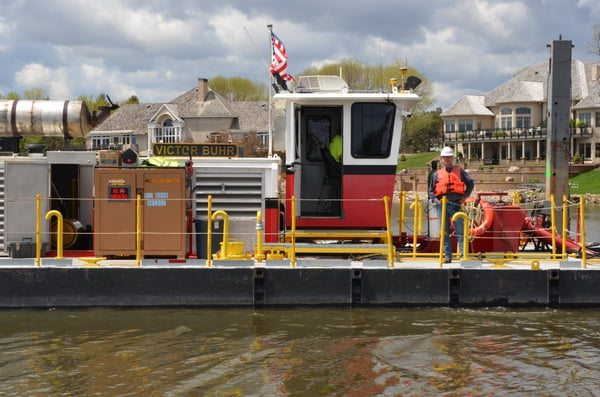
370,125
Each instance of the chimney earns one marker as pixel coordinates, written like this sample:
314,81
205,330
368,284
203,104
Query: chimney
595,72
202,89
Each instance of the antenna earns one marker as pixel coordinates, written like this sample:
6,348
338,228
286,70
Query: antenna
256,48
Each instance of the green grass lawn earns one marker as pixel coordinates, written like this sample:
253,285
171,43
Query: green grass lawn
587,182
416,160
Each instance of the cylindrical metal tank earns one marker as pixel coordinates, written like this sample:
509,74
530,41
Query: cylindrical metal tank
44,118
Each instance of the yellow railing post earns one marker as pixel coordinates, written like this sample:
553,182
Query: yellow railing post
258,254
582,221
564,227
59,231
388,230
417,220
38,231
553,225
293,237
516,199
138,230
465,219
225,243
209,232
402,214
442,230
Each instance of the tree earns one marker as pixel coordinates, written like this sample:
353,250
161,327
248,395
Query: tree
35,94
422,132
13,96
360,76
132,100
238,88
594,45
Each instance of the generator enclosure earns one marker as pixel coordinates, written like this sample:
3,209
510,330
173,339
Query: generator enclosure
163,211
64,181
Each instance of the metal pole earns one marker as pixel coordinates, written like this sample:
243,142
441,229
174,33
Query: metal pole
270,144
559,108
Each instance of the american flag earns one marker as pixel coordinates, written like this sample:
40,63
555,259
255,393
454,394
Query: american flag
279,59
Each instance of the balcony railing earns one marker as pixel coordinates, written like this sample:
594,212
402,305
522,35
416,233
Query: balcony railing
515,134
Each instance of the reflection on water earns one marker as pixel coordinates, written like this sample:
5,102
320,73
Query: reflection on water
299,352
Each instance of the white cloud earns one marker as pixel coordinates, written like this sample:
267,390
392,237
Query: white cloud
33,75
157,49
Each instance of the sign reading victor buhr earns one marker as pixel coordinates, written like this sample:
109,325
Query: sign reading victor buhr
195,149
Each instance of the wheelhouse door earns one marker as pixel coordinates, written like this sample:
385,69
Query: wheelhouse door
321,175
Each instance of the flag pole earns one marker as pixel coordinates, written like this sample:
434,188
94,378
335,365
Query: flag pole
270,135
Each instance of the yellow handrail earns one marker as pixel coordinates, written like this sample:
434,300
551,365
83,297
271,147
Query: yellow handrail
582,221
465,219
59,231
553,223
38,227
209,232
417,221
258,254
564,227
442,230
138,230
386,203
402,214
293,245
225,243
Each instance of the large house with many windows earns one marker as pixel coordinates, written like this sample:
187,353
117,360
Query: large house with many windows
197,116
508,124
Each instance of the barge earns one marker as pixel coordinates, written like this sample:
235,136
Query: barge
85,229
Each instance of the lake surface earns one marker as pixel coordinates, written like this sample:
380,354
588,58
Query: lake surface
300,352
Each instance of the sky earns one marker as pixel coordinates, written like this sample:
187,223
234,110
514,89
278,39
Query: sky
157,49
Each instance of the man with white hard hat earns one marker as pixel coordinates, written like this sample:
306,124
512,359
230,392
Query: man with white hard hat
456,185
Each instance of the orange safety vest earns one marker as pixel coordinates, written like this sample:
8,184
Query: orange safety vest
449,182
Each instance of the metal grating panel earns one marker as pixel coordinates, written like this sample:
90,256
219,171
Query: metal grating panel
239,192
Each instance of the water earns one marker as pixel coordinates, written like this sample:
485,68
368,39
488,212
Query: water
300,352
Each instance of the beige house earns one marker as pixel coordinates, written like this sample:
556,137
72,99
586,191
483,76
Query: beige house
199,115
508,124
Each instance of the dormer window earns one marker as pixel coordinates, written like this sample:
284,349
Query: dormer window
167,132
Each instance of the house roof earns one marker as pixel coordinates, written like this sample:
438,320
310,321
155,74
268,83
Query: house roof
530,85
133,117
468,105
254,115
136,117
190,105
593,99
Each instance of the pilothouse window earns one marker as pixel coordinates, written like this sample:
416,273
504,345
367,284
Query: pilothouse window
372,127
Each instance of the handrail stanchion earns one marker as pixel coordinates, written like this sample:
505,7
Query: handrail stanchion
258,254
465,219
582,220
225,242
442,230
293,237
516,200
38,232
564,227
59,231
209,232
553,225
138,231
417,218
388,230
402,214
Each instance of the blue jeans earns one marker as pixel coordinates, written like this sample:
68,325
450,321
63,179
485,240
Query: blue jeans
451,209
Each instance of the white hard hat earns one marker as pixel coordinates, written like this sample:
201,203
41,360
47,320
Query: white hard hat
447,152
